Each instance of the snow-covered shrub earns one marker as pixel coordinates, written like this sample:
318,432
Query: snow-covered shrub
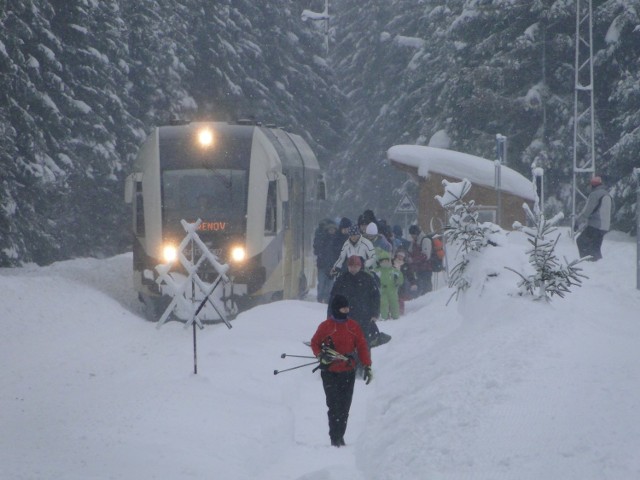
464,231
551,277
528,251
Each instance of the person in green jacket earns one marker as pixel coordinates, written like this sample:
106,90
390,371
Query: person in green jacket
390,280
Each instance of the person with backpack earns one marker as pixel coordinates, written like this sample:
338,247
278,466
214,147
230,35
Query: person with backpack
597,216
336,343
419,255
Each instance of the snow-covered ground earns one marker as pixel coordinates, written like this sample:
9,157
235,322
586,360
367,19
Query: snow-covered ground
494,387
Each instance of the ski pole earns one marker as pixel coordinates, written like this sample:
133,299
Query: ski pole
275,372
296,356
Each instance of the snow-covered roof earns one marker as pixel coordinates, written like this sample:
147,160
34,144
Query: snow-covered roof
477,170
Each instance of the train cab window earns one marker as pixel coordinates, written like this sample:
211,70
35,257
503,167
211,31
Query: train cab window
271,214
139,209
218,197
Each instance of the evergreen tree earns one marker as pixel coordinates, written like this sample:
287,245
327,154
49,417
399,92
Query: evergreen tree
482,68
84,81
162,64
368,65
31,174
551,277
89,215
619,26
464,233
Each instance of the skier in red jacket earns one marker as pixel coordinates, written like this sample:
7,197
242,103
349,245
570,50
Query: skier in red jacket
336,343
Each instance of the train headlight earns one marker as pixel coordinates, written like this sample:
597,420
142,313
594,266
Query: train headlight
238,254
169,253
205,138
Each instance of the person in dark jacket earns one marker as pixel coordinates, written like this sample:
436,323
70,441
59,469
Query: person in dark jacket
368,216
409,288
342,335
399,240
419,255
326,251
361,289
343,229
597,216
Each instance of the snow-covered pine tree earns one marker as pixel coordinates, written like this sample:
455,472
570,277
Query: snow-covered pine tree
464,231
551,277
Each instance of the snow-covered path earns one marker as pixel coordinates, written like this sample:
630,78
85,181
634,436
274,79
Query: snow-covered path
514,389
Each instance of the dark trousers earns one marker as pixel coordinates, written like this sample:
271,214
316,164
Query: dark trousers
424,282
325,282
338,388
589,242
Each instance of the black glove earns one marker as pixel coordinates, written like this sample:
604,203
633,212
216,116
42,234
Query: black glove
368,375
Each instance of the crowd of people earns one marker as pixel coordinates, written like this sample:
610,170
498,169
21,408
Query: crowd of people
401,268
366,272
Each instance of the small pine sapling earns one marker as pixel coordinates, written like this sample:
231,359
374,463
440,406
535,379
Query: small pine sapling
551,277
463,229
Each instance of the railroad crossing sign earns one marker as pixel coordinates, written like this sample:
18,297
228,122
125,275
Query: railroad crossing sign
405,205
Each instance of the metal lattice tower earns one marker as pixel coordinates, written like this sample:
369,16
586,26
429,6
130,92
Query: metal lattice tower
584,156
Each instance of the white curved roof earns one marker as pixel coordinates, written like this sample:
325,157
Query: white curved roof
477,170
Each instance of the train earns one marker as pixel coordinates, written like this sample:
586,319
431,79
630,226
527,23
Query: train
256,190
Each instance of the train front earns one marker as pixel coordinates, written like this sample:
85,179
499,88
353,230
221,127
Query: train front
204,171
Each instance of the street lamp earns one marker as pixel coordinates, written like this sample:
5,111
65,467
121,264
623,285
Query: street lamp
538,181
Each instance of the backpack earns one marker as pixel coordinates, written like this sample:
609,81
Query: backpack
437,253
435,262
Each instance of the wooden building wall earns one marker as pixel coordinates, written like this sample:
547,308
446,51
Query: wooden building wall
430,212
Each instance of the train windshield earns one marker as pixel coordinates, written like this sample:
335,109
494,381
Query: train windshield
217,197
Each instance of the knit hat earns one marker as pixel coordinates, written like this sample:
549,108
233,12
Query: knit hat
595,181
330,225
354,230
368,216
345,223
372,229
338,302
354,261
414,230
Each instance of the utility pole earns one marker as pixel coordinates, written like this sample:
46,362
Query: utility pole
636,172
584,156
310,15
501,159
